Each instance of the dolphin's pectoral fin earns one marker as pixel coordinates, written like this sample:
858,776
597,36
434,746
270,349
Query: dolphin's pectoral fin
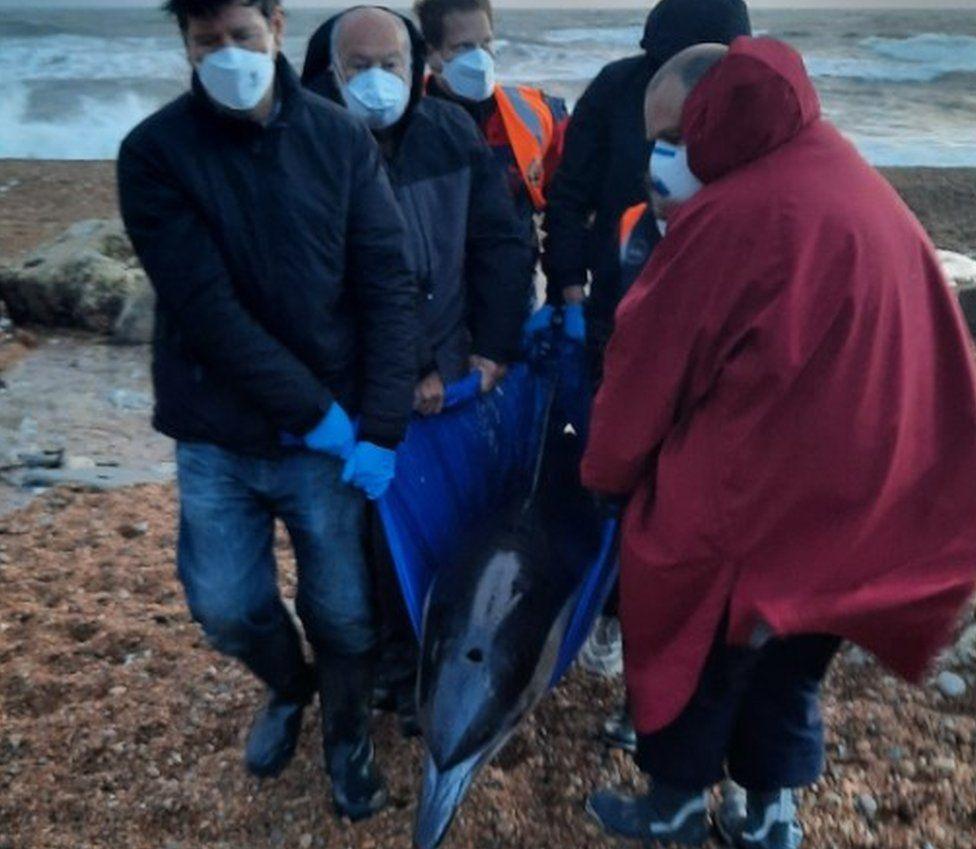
440,798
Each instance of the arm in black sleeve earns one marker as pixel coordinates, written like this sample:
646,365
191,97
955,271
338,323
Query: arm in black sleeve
573,194
499,263
386,296
194,288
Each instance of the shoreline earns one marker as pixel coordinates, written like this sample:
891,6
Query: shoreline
40,198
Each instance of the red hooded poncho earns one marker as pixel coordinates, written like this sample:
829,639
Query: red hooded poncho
788,401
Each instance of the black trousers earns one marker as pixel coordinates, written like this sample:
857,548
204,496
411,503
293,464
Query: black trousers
398,650
756,712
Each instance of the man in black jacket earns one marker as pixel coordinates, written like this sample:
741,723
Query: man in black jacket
267,226
466,243
605,160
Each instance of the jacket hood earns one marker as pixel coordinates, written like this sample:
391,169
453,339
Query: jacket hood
756,99
674,25
318,59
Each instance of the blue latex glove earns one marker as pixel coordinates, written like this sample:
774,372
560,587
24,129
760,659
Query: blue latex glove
371,469
574,323
333,435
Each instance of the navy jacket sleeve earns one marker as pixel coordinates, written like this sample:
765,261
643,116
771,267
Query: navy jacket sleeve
499,259
194,288
387,297
574,191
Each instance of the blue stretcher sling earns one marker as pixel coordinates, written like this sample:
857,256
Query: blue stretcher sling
455,471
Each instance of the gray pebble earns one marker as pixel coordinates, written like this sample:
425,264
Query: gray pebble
950,685
867,805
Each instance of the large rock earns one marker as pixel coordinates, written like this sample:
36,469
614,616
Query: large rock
959,268
87,278
961,272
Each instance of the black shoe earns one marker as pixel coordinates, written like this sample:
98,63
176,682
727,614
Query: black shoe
273,737
345,688
665,815
618,731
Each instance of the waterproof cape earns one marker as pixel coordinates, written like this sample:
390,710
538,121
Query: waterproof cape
457,471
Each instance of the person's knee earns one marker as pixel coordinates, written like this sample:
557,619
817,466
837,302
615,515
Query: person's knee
337,628
234,626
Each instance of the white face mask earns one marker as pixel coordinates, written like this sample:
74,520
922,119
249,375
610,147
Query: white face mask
377,96
671,176
471,74
236,78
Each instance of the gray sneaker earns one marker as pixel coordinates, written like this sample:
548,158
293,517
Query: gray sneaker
666,815
769,822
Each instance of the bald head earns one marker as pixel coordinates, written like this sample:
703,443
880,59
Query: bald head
369,37
671,85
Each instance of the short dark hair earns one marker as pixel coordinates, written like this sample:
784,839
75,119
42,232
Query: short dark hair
431,14
183,10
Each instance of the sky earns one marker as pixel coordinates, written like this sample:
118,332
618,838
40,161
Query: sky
575,4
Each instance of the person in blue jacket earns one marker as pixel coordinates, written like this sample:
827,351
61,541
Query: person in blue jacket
265,221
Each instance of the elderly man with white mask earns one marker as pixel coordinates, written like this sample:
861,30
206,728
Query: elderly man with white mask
464,241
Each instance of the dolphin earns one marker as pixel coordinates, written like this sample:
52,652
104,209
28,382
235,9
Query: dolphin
493,627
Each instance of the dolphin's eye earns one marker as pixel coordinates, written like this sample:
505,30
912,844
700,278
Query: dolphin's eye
476,655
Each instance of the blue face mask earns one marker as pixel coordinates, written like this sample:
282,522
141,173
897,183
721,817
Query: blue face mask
671,176
471,74
236,78
377,96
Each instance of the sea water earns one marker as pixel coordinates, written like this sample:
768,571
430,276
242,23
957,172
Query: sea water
901,84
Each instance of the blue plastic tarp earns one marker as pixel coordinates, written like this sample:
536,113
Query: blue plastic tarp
458,471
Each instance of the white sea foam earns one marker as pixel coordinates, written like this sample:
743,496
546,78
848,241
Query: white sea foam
75,95
918,59
94,131
616,36
78,57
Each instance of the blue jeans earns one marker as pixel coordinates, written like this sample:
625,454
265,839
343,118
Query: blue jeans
228,506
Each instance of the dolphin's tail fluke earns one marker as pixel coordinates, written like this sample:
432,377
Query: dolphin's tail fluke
442,793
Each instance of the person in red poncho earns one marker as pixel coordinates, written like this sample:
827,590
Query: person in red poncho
789,410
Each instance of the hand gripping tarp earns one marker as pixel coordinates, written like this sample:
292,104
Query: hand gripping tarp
457,470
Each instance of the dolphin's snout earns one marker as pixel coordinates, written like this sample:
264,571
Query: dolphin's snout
442,794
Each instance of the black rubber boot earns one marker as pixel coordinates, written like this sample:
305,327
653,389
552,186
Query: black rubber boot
273,738
345,688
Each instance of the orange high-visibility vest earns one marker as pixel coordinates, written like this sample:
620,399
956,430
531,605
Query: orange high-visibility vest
529,127
628,221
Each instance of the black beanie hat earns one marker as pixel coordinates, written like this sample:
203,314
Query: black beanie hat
674,25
